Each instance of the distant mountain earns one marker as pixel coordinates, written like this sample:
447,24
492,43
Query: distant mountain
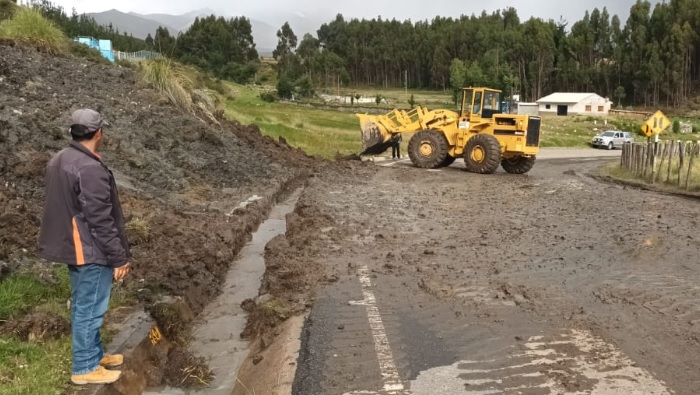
179,22
264,34
137,25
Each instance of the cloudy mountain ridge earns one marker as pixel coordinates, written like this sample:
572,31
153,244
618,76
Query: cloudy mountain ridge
140,25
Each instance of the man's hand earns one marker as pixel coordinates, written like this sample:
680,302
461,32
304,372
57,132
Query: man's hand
121,272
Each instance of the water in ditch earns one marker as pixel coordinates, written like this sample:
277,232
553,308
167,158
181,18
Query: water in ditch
217,334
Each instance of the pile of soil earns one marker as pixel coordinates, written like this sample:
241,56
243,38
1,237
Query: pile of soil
181,175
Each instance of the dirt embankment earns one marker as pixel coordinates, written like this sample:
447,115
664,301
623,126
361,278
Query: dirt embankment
182,178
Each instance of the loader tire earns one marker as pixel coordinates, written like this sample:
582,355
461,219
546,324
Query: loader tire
518,165
449,159
428,149
482,154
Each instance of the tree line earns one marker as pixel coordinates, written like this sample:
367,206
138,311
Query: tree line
75,25
222,46
650,59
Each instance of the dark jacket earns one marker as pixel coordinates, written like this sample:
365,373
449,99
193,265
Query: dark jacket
83,220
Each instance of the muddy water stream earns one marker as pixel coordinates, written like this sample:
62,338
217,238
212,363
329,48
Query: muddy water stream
217,333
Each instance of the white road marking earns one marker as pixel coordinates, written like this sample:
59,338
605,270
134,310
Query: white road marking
387,366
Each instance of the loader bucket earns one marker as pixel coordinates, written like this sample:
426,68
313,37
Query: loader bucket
374,139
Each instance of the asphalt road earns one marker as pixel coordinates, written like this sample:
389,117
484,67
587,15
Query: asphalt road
548,283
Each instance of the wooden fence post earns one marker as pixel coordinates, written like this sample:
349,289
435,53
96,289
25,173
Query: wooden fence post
670,160
693,151
681,157
622,157
652,159
645,163
664,152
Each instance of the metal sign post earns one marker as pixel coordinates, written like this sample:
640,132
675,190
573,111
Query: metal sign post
653,127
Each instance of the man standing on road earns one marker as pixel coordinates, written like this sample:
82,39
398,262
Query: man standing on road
83,227
396,146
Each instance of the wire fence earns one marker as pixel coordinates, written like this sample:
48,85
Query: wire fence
136,56
669,162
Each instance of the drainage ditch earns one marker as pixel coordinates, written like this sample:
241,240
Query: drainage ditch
215,332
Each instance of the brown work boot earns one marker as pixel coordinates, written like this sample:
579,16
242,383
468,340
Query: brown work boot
98,376
112,361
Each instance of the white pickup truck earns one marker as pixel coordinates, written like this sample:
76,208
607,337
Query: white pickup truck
612,139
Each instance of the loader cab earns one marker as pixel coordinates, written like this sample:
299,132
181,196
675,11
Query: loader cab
480,103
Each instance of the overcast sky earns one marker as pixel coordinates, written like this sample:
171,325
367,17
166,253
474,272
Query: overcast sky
404,9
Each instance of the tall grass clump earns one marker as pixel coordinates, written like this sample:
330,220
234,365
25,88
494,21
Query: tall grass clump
7,9
174,84
27,25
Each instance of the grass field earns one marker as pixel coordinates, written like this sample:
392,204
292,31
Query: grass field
577,131
326,133
323,133
39,366
619,173
399,97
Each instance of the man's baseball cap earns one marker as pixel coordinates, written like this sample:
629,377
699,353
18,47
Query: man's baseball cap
91,119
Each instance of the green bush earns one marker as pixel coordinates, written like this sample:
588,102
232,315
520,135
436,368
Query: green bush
240,73
30,27
7,9
305,87
285,88
412,101
214,84
676,126
126,64
83,51
268,97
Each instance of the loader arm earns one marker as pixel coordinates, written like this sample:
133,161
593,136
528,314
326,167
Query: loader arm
379,131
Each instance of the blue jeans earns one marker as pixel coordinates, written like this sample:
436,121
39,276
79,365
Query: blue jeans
91,286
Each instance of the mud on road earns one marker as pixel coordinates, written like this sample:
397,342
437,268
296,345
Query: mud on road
456,283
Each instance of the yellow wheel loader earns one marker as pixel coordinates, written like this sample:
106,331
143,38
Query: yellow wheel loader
479,133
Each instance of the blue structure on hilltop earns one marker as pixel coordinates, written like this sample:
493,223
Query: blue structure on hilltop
104,46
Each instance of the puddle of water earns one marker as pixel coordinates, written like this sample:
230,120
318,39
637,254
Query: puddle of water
576,356
217,336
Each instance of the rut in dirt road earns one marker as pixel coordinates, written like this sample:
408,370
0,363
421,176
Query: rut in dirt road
551,283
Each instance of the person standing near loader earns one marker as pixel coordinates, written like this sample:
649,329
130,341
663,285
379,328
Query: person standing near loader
396,146
83,227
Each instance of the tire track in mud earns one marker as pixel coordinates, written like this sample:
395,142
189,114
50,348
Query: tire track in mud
478,275
668,295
